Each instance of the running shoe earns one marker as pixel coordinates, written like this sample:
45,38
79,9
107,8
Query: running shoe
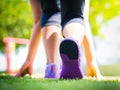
70,55
51,71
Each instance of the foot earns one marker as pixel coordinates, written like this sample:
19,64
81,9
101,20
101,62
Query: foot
26,69
70,55
51,71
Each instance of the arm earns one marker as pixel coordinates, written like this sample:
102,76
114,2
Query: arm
88,44
34,40
36,33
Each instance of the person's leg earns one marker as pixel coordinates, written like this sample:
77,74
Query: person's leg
73,31
51,39
51,33
88,44
50,24
72,19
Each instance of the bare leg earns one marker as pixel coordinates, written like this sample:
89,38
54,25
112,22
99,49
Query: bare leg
75,30
51,39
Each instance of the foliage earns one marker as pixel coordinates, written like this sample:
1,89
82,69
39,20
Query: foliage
15,19
102,11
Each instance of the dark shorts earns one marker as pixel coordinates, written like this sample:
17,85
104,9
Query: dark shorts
61,12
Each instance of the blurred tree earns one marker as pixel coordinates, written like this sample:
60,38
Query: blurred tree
15,19
102,11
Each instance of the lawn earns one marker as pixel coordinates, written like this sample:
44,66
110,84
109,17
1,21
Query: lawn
111,81
27,83
110,70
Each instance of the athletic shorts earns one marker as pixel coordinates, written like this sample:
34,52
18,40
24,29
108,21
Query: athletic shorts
61,12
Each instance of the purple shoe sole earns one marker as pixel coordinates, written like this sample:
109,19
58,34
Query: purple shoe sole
70,55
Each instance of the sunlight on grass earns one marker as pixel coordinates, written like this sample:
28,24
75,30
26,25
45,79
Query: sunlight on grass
27,83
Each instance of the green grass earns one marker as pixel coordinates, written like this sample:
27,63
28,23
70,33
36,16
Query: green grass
26,83
110,70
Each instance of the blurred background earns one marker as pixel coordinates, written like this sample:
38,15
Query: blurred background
16,25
